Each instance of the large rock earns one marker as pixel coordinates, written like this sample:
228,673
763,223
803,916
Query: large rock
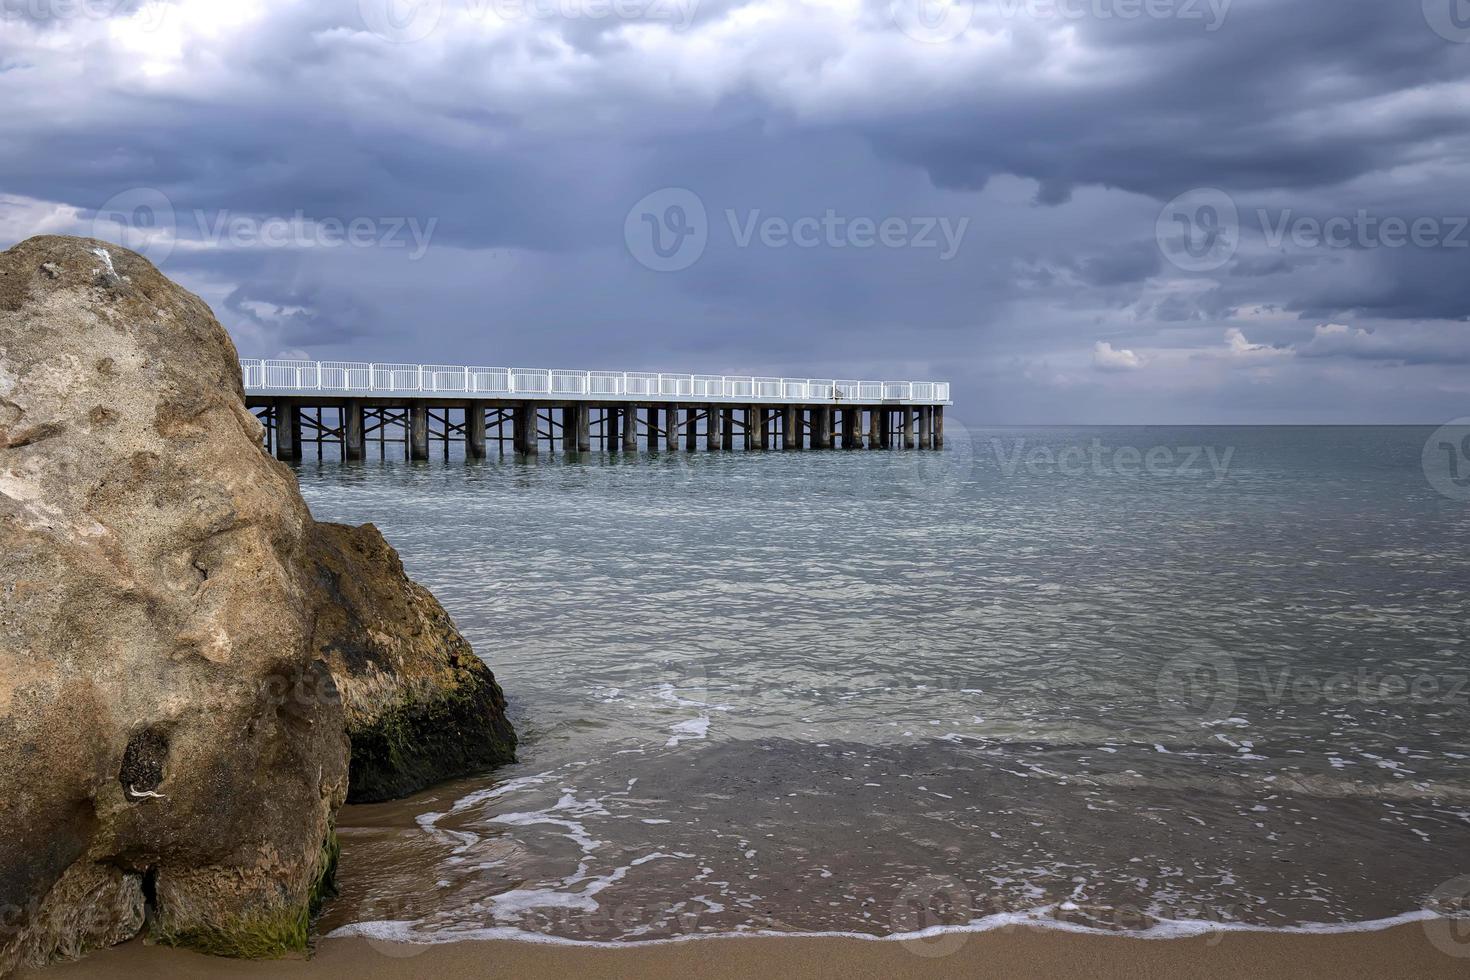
420,706
173,743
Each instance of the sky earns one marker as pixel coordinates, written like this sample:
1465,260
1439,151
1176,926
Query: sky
1075,211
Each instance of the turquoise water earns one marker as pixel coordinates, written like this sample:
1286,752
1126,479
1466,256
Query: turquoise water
1111,676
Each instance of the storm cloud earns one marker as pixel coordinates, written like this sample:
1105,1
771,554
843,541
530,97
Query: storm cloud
1076,210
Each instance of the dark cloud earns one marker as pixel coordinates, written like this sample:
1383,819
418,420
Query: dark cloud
1128,263
525,144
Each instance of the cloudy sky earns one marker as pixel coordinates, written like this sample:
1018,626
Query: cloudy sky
1076,210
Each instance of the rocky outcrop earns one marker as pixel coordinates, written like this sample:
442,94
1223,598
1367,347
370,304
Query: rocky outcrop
420,707
182,649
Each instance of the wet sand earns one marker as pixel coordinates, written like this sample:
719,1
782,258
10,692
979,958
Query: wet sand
1404,951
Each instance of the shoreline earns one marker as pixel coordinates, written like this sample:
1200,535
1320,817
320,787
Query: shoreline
1017,951
1038,920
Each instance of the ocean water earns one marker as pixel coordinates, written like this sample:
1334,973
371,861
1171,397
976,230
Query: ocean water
1110,678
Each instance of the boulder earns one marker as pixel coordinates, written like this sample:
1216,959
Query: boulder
182,648
420,706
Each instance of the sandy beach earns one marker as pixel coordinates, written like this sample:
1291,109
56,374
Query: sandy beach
1403,951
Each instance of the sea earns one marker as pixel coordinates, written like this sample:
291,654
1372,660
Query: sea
1151,680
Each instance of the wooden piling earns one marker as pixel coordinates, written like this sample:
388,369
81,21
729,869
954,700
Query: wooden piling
823,420
755,427
288,431
353,446
727,428
418,432
630,429
925,427
852,428
907,423
790,427
671,428
714,428
582,426
526,423
568,429
474,430
938,426
691,428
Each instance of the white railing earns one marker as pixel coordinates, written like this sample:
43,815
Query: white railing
428,379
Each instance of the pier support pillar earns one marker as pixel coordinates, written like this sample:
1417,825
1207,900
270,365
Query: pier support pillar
474,430
714,428
568,429
755,427
353,446
671,428
727,428
822,426
288,432
524,424
938,426
610,421
630,429
926,424
852,428
885,430
875,440
908,428
791,428
691,428
582,426
418,432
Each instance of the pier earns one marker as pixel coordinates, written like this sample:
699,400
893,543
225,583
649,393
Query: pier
420,410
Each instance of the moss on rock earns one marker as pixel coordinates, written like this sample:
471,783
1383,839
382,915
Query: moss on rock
419,742
263,934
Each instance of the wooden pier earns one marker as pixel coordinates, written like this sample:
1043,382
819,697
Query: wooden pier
360,410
